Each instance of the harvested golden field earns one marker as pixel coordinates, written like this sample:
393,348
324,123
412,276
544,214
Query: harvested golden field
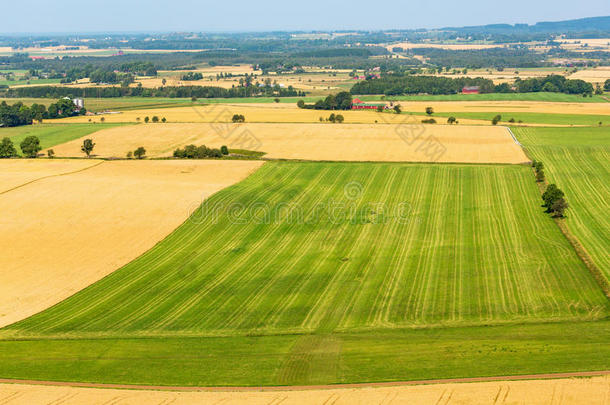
594,75
89,223
17,172
288,113
321,141
582,391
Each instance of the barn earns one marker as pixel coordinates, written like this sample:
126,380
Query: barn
471,90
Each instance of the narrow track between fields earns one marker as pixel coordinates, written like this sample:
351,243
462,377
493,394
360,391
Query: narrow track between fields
578,374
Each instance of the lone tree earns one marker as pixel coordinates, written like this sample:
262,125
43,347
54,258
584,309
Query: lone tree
146,119
429,110
51,153
397,109
163,120
496,119
7,149
558,208
339,118
30,146
139,153
224,150
87,147
155,119
451,120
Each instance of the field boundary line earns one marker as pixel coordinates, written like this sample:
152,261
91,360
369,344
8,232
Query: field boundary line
51,176
519,377
514,138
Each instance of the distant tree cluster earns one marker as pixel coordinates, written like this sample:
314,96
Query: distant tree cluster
20,114
198,152
339,101
394,85
192,76
553,84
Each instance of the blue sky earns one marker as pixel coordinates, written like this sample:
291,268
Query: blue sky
251,15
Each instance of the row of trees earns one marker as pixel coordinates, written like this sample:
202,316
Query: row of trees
553,197
30,147
19,114
168,91
200,152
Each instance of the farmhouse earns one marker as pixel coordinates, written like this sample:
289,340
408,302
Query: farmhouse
470,90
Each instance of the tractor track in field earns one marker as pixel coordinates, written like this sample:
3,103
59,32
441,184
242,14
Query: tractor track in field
577,374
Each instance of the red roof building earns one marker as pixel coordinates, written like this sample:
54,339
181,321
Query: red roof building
470,90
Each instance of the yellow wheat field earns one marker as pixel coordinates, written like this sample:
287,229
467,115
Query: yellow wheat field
290,113
16,172
583,391
322,141
89,223
596,75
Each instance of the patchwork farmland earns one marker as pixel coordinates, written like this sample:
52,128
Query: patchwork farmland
579,161
388,261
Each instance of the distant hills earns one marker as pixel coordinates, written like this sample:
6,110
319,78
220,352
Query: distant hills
591,24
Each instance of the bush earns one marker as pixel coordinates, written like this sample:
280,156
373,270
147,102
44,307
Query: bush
429,121
429,110
129,155
451,120
163,120
146,119
51,153
30,146
199,152
339,118
238,118
7,149
224,150
496,119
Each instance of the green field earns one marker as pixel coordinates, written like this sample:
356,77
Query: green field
541,96
527,118
52,134
384,355
578,160
288,251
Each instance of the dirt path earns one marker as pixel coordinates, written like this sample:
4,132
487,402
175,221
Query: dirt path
578,374
565,391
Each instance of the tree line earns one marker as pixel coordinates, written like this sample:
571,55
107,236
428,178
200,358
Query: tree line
170,92
395,85
19,114
339,101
